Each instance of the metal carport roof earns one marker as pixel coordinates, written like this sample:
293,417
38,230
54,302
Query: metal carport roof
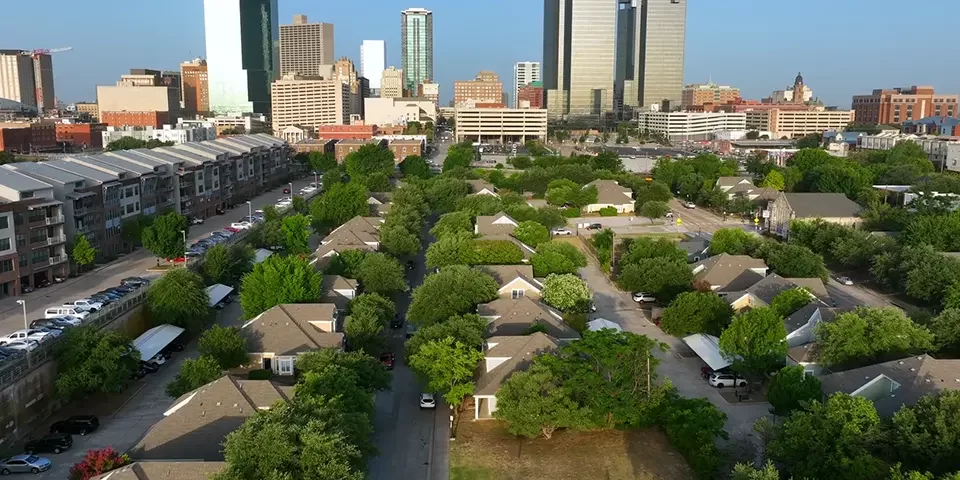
155,339
707,347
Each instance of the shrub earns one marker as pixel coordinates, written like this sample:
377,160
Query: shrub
260,374
96,462
577,321
608,212
571,212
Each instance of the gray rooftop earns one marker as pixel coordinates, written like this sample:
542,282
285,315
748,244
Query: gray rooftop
113,164
822,205
19,181
46,172
186,156
82,170
141,163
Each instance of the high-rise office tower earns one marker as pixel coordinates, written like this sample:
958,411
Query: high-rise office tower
242,39
195,93
305,46
650,43
524,73
43,81
579,40
391,83
27,78
416,45
373,59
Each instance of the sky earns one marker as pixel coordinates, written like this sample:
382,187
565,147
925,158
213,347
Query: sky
842,47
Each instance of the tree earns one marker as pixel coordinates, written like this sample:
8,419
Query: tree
562,191
223,264
867,335
746,471
363,330
812,140
346,263
790,389
831,440
98,461
531,233
696,312
225,345
459,155
90,360
606,161
321,161
377,182
946,332
654,210
755,341
194,373
557,257
924,435
370,374
567,293
660,276
733,241
454,290
268,234
341,202
653,191
131,230
415,166
369,160
442,193
693,426
381,273
789,301
179,298
447,367
453,222
477,205
533,404
774,180
131,143
467,329
299,205
647,248
398,240
83,253
494,252
164,238
450,249
279,280
793,261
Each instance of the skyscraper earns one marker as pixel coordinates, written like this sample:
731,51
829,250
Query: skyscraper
27,78
579,40
305,46
373,59
416,43
524,73
242,39
650,43
195,94
391,83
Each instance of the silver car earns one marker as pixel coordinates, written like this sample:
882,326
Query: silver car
24,464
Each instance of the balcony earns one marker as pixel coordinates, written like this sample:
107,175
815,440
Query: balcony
57,259
56,239
53,220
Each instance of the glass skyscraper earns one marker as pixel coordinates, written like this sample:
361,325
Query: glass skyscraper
242,39
416,44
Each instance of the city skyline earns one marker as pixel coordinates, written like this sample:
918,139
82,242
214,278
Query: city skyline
730,56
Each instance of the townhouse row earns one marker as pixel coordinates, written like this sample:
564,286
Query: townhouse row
44,205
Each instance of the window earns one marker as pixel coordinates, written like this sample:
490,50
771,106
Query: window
516,293
4,222
6,265
4,244
24,260
285,366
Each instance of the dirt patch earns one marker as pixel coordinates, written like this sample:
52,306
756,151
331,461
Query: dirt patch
483,450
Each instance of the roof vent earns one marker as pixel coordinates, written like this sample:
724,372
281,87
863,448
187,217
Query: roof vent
900,362
913,369
928,380
235,405
218,404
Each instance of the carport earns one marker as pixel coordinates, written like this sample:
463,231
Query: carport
601,323
707,347
261,254
217,292
156,339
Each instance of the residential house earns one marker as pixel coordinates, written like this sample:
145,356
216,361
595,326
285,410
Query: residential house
806,356
830,207
839,144
515,281
497,224
762,293
515,316
164,470
696,248
358,233
729,273
276,338
380,203
729,183
482,187
502,357
195,425
610,194
338,291
891,385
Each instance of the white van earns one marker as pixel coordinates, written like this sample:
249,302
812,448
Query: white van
65,310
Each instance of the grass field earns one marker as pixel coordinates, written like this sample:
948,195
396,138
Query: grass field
484,451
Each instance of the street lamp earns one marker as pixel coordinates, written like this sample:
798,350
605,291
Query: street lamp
250,210
291,189
315,182
23,303
184,233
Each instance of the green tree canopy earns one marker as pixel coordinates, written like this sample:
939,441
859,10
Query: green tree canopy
476,205
756,341
648,247
747,471
279,280
774,180
533,404
447,367
296,234
321,161
812,140
381,273
453,222
164,238
415,166
467,329
693,426
179,298
459,155
652,191
131,143
226,345
567,292
789,301
82,253
370,374
451,249
946,332
442,193
793,261
733,241
341,202
696,312
654,210
92,360
924,436
455,290
346,264
660,276
557,257
369,160
790,389
531,233
399,240
868,335
194,373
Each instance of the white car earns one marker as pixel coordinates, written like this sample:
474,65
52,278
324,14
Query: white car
641,297
74,321
241,225
562,231
724,379
157,359
427,401
308,189
689,205
85,304
26,345
64,310
668,215
845,280
34,334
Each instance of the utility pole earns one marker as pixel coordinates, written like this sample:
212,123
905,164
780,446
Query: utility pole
648,376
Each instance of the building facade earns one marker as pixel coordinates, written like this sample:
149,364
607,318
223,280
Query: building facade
88,108
305,46
27,78
698,94
81,135
416,47
32,239
404,148
24,137
798,94
139,100
430,91
789,124
195,93
485,88
391,83
650,47
530,96
243,58
898,105
310,101
524,73
399,111
690,125
500,125
373,60
180,133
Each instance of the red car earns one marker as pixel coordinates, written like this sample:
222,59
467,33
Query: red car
231,229
387,359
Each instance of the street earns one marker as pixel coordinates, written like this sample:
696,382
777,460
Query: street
412,443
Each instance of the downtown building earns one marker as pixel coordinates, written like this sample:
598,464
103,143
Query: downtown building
486,89
243,57
898,105
140,99
305,46
309,102
524,74
690,126
373,61
416,48
195,89
500,125
27,78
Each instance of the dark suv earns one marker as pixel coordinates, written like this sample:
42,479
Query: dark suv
79,425
594,226
51,443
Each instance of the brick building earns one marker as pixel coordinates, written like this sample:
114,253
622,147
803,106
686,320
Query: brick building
81,135
898,105
23,137
343,132
404,148
698,94
346,147
530,96
485,88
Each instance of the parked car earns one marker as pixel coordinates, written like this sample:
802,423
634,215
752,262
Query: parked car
196,221
562,231
76,425
149,367
157,359
689,205
641,297
63,310
387,359
845,280
86,304
24,464
286,190
241,225
135,281
231,229
22,345
50,443
397,322
31,334
726,379
595,226
427,401
124,288
53,323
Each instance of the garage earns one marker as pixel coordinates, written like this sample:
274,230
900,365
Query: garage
153,341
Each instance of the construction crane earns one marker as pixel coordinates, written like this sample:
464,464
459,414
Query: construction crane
37,71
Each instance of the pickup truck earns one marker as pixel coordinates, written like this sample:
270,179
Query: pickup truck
85,304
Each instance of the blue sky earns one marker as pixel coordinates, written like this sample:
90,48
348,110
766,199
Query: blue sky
842,47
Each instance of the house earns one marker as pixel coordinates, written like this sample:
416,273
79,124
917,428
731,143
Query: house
537,202
891,385
380,203
502,357
841,143
514,316
729,273
801,325
358,233
762,293
805,356
164,470
482,187
499,224
338,291
728,183
195,425
276,338
610,194
696,248
515,281
527,250
830,207
761,195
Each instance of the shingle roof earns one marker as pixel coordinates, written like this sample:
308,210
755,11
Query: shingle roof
918,376
499,224
731,181
286,329
366,229
694,245
516,317
822,205
769,287
813,285
504,274
195,425
331,283
340,244
519,350
479,185
730,272
803,353
162,470
610,192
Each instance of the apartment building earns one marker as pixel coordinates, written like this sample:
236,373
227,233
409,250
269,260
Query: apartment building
304,46
898,105
690,125
36,238
81,135
391,83
195,93
944,152
697,94
485,88
788,124
310,101
500,124
180,133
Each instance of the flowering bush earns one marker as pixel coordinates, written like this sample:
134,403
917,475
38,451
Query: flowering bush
97,462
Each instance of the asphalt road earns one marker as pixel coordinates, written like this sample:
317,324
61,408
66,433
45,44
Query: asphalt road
412,443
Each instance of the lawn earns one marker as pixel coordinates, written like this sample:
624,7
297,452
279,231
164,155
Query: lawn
484,451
